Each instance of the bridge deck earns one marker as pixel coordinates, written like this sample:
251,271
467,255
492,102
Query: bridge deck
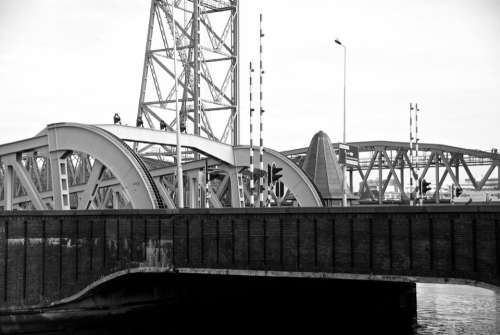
46,257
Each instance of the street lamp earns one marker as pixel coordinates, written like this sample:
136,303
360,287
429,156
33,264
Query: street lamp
344,195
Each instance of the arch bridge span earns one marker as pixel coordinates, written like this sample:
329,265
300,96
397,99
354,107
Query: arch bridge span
76,166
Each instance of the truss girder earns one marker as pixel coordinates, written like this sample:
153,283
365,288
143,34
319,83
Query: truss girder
187,32
431,156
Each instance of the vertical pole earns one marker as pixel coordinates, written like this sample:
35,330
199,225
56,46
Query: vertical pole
252,186
207,185
236,81
417,140
411,154
261,147
344,194
197,180
436,195
147,59
8,187
145,67
197,66
180,178
380,182
402,173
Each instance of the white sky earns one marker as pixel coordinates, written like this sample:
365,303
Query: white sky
81,61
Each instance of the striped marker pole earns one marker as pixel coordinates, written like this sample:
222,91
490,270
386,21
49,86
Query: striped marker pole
198,61
411,154
252,186
261,148
416,157
207,185
416,137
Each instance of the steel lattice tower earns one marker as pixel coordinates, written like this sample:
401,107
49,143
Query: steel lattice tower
206,38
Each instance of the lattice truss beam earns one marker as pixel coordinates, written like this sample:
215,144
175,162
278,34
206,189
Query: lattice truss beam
93,186
205,34
446,165
29,183
388,162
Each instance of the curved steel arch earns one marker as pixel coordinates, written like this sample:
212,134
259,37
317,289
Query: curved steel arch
218,150
294,178
125,165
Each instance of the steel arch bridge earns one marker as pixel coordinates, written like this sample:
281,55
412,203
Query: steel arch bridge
76,166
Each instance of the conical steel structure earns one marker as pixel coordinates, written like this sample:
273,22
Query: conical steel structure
322,167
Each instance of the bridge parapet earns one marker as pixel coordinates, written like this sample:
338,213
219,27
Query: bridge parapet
52,257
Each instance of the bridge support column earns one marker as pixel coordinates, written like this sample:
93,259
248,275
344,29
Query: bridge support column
8,187
59,174
193,189
233,177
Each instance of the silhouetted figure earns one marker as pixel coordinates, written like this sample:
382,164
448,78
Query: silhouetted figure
139,122
117,119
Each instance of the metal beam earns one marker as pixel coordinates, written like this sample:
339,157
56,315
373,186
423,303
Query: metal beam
365,178
486,176
221,151
362,187
447,164
393,173
165,194
85,199
471,177
26,181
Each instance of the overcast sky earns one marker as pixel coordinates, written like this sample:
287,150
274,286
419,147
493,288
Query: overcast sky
81,61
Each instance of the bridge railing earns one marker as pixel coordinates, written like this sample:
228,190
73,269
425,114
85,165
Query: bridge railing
51,256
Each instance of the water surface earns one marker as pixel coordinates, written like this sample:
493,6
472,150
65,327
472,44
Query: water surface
457,309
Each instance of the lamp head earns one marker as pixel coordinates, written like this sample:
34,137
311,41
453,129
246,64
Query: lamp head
337,41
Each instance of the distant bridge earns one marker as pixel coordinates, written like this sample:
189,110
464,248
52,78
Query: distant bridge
52,258
445,160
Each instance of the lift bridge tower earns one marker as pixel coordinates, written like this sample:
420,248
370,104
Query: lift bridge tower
206,36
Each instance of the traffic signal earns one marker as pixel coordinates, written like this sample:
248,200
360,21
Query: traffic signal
275,176
269,174
279,189
425,187
458,191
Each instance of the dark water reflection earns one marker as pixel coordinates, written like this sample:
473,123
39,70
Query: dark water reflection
457,309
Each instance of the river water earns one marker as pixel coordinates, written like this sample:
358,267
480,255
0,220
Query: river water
457,309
